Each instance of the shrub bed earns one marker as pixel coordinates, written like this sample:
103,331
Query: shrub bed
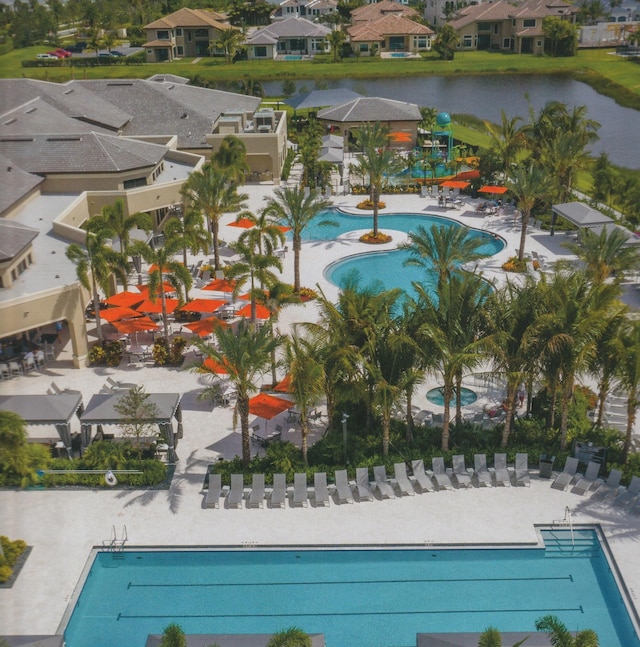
11,552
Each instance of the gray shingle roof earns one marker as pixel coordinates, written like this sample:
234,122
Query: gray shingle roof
80,153
14,183
369,109
14,237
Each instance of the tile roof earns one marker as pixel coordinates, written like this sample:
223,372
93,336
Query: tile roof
290,28
369,109
385,26
189,18
80,153
15,183
378,9
14,238
503,10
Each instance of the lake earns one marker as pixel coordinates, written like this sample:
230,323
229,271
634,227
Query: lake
485,96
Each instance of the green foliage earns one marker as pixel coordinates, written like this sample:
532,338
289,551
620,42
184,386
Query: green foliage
11,550
173,636
108,354
138,417
628,469
288,163
291,637
561,36
19,460
173,356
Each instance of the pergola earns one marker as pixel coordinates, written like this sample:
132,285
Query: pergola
56,410
101,410
579,214
632,239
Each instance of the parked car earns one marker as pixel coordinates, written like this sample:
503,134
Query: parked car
62,53
48,56
54,54
104,55
78,48
115,52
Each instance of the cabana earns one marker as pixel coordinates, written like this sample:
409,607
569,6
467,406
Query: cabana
579,214
56,410
101,410
632,239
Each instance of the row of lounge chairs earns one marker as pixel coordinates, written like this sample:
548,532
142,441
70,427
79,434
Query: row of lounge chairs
439,478
601,489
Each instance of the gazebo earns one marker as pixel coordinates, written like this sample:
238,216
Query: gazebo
579,214
101,410
56,410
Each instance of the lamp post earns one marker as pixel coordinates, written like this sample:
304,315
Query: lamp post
345,417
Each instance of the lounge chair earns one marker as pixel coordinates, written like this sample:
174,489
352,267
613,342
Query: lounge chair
300,489
604,489
279,492
382,482
481,471
422,478
522,470
320,490
440,474
212,498
404,484
460,474
236,493
365,493
566,476
119,384
501,472
343,489
635,508
256,498
626,496
588,480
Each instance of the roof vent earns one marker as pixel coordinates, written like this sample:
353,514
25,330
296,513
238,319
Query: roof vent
68,91
171,87
28,112
184,116
11,121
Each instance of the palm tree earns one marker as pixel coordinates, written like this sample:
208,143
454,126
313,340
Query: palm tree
428,120
446,42
232,157
212,192
563,156
246,354
560,636
229,40
291,637
164,267
491,637
95,42
265,235
377,161
507,140
306,379
530,185
292,208
336,38
99,260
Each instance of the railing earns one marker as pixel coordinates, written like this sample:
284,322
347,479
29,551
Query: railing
566,521
114,544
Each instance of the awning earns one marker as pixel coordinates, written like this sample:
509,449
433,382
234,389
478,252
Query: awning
268,406
125,299
128,326
156,306
455,184
117,313
202,305
495,189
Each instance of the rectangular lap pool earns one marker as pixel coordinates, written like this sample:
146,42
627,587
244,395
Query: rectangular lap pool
356,597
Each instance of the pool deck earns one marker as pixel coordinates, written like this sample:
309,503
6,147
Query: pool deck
63,526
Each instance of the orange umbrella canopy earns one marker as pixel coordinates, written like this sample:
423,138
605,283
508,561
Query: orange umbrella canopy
268,406
205,327
156,306
167,287
284,386
244,223
141,324
455,184
125,299
119,312
261,311
488,188
202,305
210,364
400,136
283,228
220,285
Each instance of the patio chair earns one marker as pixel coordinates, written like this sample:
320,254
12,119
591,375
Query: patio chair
236,493
41,360
604,489
422,478
566,476
522,470
481,471
460,474
15,368
343,489
5,372
382,482
119,384
404,484
279,492
440,474
212,497
300,489
588,480
365,493
320,489
501,473
256,497
627,496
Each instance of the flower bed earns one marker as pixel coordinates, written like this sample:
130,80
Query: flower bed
368,205
378,239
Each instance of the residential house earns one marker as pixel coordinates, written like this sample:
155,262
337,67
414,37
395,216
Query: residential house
291,36
369,12
503,26
309,9
186,32
391,33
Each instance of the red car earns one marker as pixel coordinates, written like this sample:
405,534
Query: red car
61,53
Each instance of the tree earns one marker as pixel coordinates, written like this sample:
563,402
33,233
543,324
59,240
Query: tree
212,192
288,87
138,417
246,354
563,157
292,208
19,459
336,39
562,36
446,42
95,42
250,87
173,636
265,235
560,636
530,184
292,637
491,637
229,41
603,179
231,157
507,141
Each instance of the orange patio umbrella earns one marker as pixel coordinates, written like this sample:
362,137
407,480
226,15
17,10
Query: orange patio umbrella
119,312
268,406
400,136
141,324
205,327
283,228
455,184
495,189
217,367
202,305
144,289
284,386
220,285
261,311
125,299
243,223
154,267
156,306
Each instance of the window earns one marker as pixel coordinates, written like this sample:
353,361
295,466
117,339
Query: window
162,34
467,40
189,35
132,184
364,47
506,43
179,31
484,26
202,33
538,43
420,42
180,50
529,22
495,29
260,51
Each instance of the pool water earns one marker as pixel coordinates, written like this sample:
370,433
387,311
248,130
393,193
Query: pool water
467,396
292,57
357,598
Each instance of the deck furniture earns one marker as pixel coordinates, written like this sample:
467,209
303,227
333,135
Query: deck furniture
402,480
481,471
422,478
522,470
320,489
567,475
343,489
300,489
236,493
279,492
212,497
501,473
365,493
382,482
256,496
460,474
588,480
440,474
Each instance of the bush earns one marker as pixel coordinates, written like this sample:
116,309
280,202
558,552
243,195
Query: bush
108,354
11,550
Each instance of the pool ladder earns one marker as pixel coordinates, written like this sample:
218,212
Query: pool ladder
566,521
114,544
